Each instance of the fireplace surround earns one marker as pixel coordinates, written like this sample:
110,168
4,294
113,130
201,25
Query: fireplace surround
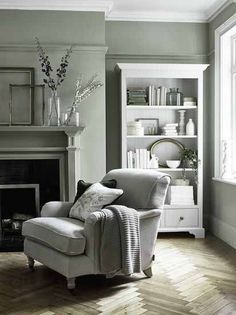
24,150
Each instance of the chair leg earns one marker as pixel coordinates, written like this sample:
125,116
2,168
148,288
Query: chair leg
30,263
148,272
71,283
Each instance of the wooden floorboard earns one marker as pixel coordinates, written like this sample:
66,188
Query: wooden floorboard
191,276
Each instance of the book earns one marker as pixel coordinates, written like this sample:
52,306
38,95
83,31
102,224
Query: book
158,96
138,158
163,92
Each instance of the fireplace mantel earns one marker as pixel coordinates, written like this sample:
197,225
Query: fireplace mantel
17,141
72,130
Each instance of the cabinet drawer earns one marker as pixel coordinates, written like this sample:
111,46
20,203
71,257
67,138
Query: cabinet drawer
181,218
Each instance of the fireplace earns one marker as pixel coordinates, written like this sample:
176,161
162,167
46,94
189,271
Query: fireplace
18,203
25,186
47,157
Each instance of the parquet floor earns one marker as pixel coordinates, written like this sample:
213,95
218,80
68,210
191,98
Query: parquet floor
190,277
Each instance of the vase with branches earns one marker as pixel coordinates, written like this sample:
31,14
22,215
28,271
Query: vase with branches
53,81
82,91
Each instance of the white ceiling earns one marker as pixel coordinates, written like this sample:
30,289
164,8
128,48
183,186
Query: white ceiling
131,10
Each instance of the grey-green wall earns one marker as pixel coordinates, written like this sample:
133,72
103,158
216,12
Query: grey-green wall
147,42
222,196
87,32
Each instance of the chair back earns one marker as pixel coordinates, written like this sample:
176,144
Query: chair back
143,188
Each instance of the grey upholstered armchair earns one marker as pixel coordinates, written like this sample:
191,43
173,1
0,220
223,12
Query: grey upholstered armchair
72,247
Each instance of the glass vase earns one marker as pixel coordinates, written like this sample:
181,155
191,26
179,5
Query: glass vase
174,97
72,118
54,104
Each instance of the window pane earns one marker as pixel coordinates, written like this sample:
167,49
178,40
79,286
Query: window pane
233,123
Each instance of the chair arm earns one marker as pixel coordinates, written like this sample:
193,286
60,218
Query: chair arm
92,232
56,209
149,223
143,214
146,214
94,217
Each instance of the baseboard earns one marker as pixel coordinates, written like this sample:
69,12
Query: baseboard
223,230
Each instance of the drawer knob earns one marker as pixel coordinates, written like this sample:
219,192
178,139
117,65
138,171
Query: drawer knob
181,218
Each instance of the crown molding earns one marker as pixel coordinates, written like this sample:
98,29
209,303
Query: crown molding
58,5
107,5
214,11
160,16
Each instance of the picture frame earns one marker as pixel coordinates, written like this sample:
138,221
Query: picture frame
34,113
150,125
15,76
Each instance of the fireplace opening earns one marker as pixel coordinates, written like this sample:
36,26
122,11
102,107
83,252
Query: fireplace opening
25,186
18,203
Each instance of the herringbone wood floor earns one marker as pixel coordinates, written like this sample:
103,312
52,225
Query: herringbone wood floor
190,277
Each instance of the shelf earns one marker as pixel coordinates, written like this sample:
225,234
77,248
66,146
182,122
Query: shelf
159,107
161,137
181,206
167,169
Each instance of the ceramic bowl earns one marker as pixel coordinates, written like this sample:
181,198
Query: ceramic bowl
173,163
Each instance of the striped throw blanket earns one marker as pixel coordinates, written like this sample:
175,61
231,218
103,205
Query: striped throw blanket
120,241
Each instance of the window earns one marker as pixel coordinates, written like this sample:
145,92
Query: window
225,100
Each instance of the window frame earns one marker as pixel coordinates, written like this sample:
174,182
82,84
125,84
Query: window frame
225,92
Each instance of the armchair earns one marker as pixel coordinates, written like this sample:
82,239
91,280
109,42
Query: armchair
72,247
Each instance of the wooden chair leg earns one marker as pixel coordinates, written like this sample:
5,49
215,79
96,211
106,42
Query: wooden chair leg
30,263
148,272
71,283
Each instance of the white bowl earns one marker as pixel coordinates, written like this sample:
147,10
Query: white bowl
173,163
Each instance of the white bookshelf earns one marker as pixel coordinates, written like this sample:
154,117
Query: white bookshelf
189,79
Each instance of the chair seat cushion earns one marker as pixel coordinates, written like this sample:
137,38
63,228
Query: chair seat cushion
62,234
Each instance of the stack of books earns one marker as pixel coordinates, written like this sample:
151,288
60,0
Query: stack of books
157,95
180,195
138,159
190,101
137,97
170,130
134,128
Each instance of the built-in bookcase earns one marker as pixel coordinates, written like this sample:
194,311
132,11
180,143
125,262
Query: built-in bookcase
189,79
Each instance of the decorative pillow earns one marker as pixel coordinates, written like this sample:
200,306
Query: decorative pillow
82,186
93,199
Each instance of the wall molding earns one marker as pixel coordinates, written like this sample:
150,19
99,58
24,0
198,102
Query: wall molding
223,230
59,5
157,16
216,10
115,15
163,58
32,48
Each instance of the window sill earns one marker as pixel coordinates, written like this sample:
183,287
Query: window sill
225,180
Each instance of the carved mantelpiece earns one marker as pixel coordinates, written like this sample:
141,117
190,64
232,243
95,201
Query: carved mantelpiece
24,142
